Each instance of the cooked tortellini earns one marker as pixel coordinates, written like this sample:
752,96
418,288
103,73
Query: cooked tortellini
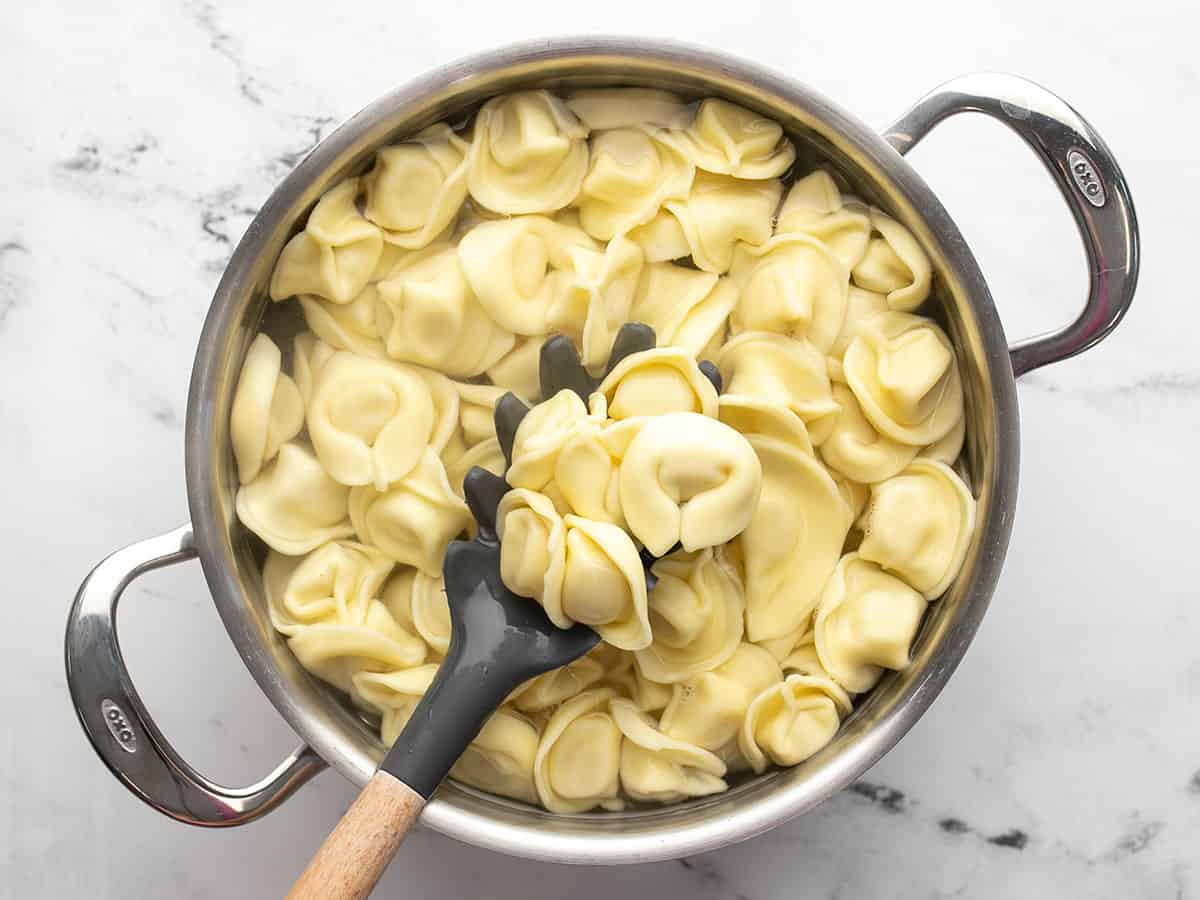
427,313
597,296
814,206
708,709
659,768
696,616
730,140
414,519
686,308
268,409
529,154
417,187
865,623
577,569
370,420
894,264
753,513
578,761
791,720
918,525
784,372
656,382
856,450
632,174
791,285
688,479
336,253
602,109
293,504
519,269
904,374
719,212
793,540
346,326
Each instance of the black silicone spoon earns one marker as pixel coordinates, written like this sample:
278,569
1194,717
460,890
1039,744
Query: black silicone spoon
497,641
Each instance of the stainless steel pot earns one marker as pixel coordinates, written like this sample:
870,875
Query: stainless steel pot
115,719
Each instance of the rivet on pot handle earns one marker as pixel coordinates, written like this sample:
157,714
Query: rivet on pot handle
1085,172
117,722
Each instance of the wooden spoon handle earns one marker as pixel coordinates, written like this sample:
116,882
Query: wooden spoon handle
354,856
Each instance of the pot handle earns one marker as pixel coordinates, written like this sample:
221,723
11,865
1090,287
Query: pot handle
1085,172
117,722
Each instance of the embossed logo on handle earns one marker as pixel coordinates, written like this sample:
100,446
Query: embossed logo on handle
118,724
1086,178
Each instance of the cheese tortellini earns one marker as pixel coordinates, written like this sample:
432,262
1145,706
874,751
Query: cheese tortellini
427,313
865,623
529,154
919,525
904,374
417,187
268,409
753,514
688,479
336,253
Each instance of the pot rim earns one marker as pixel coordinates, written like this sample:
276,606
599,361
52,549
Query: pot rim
917,206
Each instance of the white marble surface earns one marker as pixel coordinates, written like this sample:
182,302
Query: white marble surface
138,139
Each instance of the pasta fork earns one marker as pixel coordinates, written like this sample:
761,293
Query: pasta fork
498,640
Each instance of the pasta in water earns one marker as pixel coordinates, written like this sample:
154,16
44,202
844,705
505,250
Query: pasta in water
754,514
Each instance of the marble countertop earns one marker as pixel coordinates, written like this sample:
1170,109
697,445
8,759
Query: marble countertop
1064,757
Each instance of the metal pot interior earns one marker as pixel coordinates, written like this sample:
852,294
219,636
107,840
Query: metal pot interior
823,135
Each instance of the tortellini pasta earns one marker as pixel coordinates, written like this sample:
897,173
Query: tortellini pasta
792,542
578,761
336,253
918,525
696,615
268,409
894,264
689,479
602,109
346,326
519,269
730,140
541,436
596,297
326,604
754,545
656,382
370,420
529,154
720,211
293,504
791,720
686,308
501,758
707,709
659,768
855,449
414,519
428,314
814,206
577,569
517,370
791,285
632,174
865,623
903,371
782,371
416,187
